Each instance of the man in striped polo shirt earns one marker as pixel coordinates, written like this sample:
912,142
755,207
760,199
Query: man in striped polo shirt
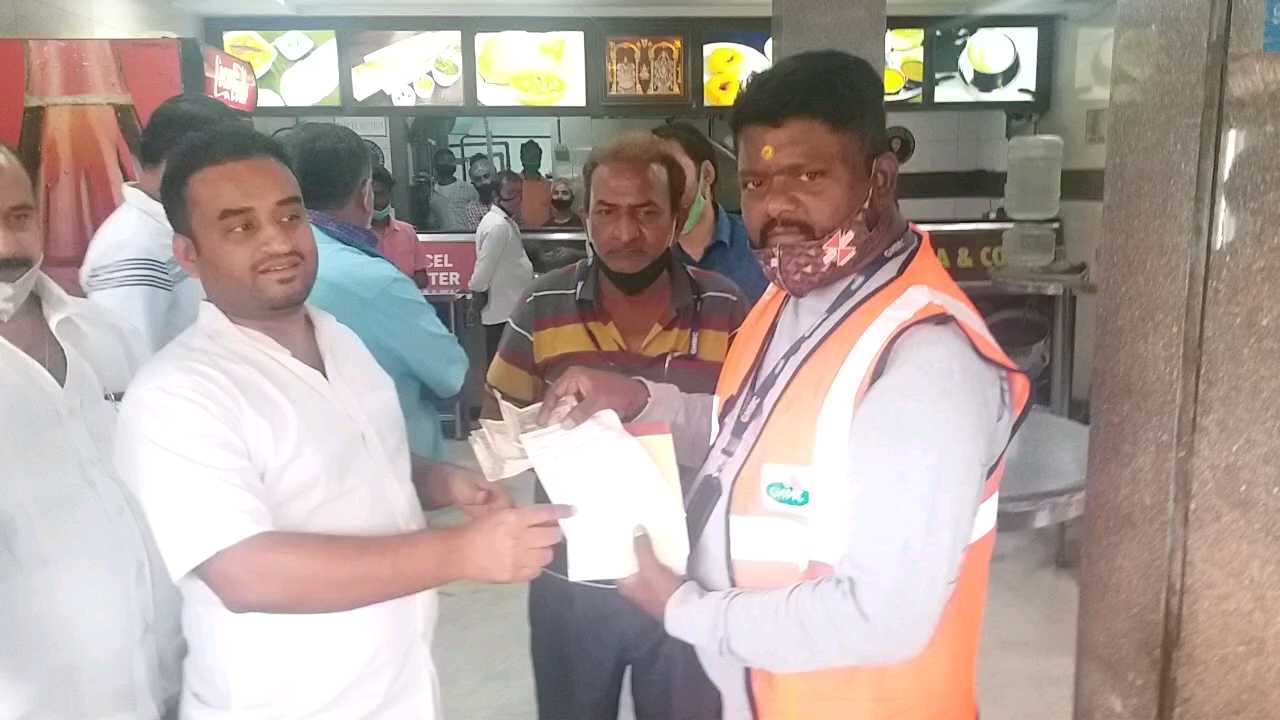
631,309
129,267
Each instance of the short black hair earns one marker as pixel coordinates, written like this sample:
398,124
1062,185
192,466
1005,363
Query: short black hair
696,145
830,86
330,161
218,145
530,149
445,156
177,118
382,176
477,158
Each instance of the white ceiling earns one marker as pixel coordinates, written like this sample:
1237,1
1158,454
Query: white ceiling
602,8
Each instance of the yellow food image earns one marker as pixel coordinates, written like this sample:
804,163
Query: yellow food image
721,90
894,81
906,38
538,87
252,48
913,70
726,61
552,48
508,53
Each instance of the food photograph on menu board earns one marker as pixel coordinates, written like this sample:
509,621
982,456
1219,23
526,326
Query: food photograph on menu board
404,69
976,64
644,68
904,66
294,68
531,69
729,61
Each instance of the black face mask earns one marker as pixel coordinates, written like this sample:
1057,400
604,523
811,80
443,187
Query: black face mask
488,192
562,203
446,173
640,280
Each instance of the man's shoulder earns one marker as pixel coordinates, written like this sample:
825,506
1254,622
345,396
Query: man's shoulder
128,234
713,285
559,282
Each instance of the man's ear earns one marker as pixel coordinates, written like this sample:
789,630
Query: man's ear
707,174
365,195
885,177
186,253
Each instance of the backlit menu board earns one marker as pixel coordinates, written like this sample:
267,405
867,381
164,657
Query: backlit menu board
404,69
986,64
531,69
729,61
904,66
294,68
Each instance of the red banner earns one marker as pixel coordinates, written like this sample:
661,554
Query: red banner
13,88
230,80
152,72
447,265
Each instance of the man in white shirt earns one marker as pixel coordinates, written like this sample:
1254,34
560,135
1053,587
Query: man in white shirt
129,266
89,620
269,453
503,270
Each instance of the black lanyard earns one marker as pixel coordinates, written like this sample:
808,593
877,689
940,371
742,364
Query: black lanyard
695,333
758,388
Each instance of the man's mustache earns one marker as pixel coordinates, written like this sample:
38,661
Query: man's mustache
14,262
796,226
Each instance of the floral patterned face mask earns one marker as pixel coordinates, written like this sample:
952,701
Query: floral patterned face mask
801,268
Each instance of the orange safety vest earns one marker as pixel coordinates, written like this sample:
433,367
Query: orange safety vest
776,540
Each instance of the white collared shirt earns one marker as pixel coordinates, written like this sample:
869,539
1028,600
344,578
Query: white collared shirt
225,435
88,618
129,269
502,266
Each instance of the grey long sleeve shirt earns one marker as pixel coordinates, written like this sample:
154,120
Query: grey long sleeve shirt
921,441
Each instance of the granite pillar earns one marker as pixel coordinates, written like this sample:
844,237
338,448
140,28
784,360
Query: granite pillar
855,26
1180,581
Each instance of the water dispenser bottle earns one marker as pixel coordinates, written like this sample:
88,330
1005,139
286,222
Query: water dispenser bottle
1034,185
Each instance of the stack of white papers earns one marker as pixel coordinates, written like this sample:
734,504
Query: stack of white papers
618,483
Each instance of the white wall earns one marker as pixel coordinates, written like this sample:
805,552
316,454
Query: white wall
94,18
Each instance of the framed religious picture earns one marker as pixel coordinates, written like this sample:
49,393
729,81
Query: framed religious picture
648,69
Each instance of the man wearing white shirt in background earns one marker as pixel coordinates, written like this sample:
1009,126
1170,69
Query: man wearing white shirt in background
89,621
268,451
503,270
129,266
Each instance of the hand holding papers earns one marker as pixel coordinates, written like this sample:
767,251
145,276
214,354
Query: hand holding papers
616,482
497,442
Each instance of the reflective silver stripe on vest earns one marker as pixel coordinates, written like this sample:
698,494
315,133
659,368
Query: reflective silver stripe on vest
828,521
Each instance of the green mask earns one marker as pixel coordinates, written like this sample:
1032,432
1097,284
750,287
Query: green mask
695,211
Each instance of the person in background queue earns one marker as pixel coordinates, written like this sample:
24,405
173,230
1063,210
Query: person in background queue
562,212
531,160
365,292
712,238
450,196
503,270
266,447
844,516
129,266
397,239
90,625
632,308
482,175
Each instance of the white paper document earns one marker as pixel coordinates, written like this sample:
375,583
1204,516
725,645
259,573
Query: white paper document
617,482
497,442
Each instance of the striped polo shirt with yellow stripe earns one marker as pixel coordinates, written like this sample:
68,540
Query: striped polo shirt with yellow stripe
559,324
